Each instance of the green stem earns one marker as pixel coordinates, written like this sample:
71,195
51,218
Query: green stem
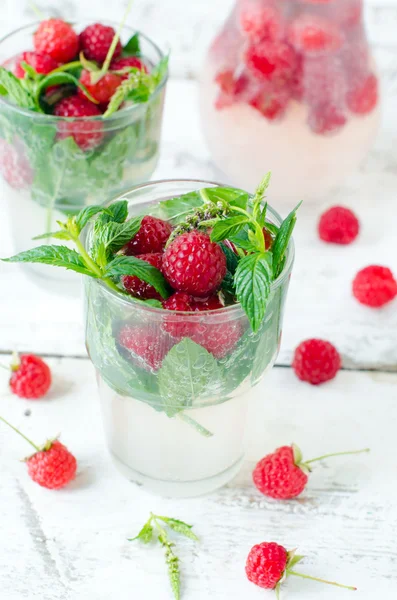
21,434
199,428
115,40
308,462
72,65
346,587
93,266
37,11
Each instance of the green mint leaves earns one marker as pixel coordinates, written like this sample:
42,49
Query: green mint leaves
14,89
157,528
111,231
252,279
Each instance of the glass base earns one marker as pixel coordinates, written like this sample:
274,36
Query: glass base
178,489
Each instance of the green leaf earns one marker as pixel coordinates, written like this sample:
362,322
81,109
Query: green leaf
86,214
242,241
133,46
116,235
282,240
138,87
262,216
117,212
252,279
145,535
59,235
173,568
58,256
180,527
228,227
130,265
188,374
230,196
16,90
59,79
177,209
30,71
228,285
259,195
160,71
231,258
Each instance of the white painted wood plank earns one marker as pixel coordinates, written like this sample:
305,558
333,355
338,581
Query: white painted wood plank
320,301
71,544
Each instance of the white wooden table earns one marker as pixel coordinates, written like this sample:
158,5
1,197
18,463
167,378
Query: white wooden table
71,545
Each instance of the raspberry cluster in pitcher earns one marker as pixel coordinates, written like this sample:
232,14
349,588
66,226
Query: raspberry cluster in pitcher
272,53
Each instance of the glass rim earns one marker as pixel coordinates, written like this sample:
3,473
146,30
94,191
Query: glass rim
119,114
234,309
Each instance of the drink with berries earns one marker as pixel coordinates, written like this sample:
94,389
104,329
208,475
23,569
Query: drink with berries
80,119
185,289
290,85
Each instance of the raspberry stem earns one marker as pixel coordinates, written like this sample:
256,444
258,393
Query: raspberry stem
20,433
346,587
109,56
308,462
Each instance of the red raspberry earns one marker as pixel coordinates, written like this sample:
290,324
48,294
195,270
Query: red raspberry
261,22
362,99
87,134
375,286
278,476
211,303
268,238
151,237
220,339
266,564
310,33
141,289
31,377
53,467
14,165
338,225
128,61
271,105
349,13
147,349
95,41
326,119
56,38
179,326
194,264
101,91
316,361
275,61
41,62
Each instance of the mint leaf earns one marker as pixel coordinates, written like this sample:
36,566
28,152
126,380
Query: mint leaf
58,256
188,374
117,212
16,90
230,196
145,535
133,46
59,79
30,71
138,87
177,209
228,227
228,284
130,265
59,235
252,279
179,526
116,235
86,214
159,72
241,240
231,258
282,240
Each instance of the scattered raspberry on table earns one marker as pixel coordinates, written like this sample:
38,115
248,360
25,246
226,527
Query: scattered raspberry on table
338,225
375,286
316,361
31,377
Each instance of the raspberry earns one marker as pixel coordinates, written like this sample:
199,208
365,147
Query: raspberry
31,377
268,238
87,134
95,41
311,33
14,165
147,349
179,326
128,61
56,38
277,476
232,87
338,225
220,339
326,119
194,264
179,301
363,98
274,61
53,467
42,63
271,105
211,303
151,237
316,361
375,286
261,22
101,91
349,13
266,564
141,289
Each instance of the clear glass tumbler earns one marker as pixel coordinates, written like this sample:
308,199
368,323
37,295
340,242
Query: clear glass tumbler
175,422
48,174
290,86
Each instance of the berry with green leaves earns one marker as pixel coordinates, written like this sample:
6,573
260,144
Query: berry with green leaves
158,528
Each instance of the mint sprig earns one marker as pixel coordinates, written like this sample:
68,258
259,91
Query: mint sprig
111,232
156,528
